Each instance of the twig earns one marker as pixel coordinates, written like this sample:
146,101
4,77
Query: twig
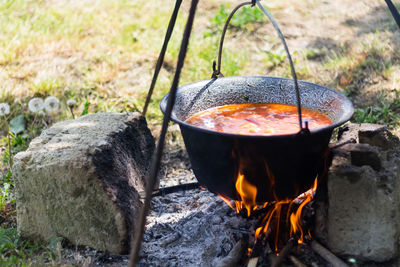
261,211
252,262
72,112
172,189
327,255
284,252
234,255
33,124
175,188
5,119
296,261
10,154
9,144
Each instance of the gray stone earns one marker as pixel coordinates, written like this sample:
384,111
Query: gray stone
363,211
363,216
80,180
349,132
364,154
377,135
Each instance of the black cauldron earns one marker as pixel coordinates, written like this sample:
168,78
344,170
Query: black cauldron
280,166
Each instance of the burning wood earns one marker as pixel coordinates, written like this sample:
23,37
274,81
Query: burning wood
204,233
284,252
235,255
327,255
281,217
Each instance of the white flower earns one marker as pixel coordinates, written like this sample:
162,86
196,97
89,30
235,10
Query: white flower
71,103
51,104
35,104
4,109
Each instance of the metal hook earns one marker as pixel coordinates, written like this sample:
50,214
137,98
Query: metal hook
305,130
217,71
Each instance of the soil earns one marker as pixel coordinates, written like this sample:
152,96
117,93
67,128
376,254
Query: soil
329,28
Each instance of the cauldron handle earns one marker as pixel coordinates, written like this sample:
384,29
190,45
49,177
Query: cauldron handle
217,71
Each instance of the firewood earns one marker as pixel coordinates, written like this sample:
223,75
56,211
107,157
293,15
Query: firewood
327,255
296,261
234,255
284,252
175,188
252,262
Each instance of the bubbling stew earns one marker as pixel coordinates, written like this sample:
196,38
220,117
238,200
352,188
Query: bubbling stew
257,119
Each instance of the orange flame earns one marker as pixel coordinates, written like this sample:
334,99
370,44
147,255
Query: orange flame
295,218
247,193
272,215
228,201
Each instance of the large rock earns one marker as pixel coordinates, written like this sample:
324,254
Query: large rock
363,191
80,180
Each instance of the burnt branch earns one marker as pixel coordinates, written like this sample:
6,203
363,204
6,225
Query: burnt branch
327,255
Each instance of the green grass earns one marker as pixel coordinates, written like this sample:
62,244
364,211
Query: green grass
15,251
243,18
386,111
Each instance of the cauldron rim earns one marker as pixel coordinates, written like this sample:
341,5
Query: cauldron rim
347,116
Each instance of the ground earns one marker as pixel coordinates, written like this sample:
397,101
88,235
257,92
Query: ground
102,55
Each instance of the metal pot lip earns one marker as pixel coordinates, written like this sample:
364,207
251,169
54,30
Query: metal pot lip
347,117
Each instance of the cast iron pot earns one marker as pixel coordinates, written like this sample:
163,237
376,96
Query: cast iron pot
280,166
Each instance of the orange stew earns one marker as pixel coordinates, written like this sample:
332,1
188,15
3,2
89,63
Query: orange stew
257,119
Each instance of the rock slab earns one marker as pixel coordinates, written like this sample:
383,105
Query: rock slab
80,180
363,192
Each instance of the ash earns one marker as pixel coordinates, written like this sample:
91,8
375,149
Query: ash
191,228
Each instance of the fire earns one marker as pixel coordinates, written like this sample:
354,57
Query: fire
248,194
279,209
228,202
295,218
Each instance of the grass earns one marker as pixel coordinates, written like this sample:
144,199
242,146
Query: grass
244,18
386,111
15,251
102,54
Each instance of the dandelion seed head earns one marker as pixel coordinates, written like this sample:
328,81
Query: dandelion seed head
4,109
35,104
51,104
71,103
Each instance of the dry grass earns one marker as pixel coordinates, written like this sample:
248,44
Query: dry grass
104,51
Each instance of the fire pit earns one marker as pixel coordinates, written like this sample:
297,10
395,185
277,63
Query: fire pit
277,174
255,171
274,177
